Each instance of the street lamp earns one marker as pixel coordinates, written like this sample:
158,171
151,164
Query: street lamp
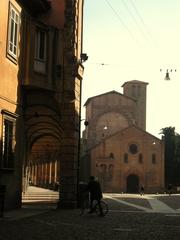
105,127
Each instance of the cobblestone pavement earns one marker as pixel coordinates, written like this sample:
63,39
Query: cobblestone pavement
129,217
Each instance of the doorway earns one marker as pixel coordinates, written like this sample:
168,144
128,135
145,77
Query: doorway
132,183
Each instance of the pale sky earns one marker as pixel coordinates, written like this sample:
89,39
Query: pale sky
132,40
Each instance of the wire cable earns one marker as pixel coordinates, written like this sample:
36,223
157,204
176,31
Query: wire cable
135,21
142,21
120,19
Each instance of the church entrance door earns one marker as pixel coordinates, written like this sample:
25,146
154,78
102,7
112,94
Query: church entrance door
132,183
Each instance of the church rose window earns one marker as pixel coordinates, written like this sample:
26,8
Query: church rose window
133,148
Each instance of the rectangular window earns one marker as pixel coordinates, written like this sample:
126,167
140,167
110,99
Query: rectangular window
40,51
13,31
8,142
153,158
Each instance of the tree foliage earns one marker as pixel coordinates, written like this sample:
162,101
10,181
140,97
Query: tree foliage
169,141
172,155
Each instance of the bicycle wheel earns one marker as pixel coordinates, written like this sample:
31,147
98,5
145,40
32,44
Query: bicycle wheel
84,207
104,208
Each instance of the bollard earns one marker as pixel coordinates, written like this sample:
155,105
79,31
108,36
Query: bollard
2,199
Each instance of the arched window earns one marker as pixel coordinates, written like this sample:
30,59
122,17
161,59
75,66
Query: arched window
111,155
139,90
133,91
125,158
103,168
140,158
153,158
110,171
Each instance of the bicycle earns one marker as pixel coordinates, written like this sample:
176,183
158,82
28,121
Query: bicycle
85,205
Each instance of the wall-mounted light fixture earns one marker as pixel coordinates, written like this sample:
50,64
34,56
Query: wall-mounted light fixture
84,57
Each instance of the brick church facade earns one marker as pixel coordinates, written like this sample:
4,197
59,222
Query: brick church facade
118,149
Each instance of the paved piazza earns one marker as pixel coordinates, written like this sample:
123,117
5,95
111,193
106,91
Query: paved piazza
130,217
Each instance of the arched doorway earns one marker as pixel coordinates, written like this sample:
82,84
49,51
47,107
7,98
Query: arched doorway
132,183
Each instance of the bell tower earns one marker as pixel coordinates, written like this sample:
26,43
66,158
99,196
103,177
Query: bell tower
137,90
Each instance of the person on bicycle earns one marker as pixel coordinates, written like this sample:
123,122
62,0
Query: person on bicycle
94,189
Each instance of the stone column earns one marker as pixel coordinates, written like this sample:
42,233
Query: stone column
32,173
38,173
46,174
70,105
55,171
50,172
35,175
68,172
41,174
69,145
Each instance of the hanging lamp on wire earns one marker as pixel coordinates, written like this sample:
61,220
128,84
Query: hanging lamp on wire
167,76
